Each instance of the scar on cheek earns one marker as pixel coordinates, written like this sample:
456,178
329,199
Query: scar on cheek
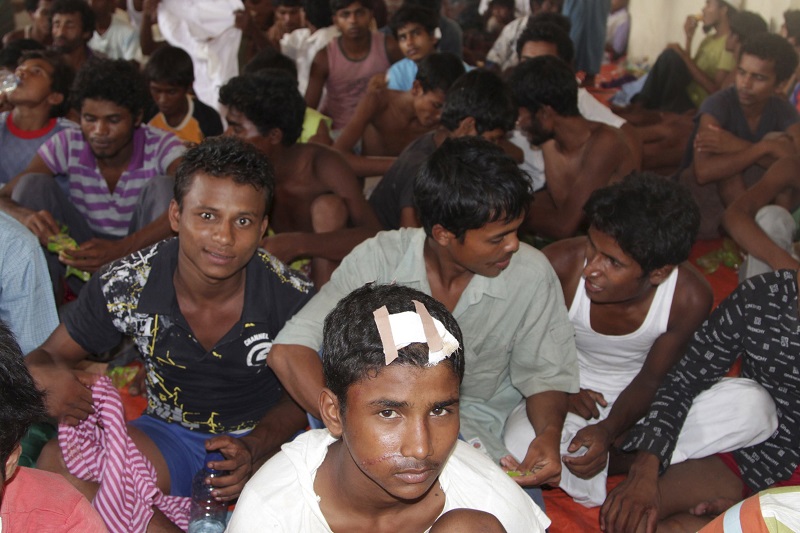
380,459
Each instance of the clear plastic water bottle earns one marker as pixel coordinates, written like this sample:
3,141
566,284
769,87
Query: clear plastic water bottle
8,83
206,514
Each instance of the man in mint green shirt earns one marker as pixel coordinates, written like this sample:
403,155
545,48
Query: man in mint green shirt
471,199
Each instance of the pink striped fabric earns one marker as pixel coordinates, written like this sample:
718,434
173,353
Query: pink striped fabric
100,450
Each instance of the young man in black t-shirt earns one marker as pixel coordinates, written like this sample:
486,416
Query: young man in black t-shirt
203,310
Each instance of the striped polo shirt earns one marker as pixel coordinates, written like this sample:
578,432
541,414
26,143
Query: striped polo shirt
109,213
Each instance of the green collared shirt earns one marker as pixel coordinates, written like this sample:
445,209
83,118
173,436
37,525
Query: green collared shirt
518,340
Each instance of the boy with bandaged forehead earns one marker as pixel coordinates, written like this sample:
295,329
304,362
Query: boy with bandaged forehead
390,458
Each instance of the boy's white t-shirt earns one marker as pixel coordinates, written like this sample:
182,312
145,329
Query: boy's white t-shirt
281,497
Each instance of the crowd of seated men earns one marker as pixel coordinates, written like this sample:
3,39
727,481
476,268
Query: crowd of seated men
397,264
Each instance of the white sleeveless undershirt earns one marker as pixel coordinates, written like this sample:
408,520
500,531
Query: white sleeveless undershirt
608,363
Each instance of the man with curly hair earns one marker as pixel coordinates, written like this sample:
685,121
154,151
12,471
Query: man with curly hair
116,169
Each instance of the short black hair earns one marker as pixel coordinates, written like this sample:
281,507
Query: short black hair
10,54
509,4
792,20
772,47
60,80
546,81
269,99
482,95
436,5
269,58
440,71
226,157
410,14
731,9
31,5
170,65
562,21
352,349
746,23
548,32
336,5
21,403
318,13
287,3
653,219
64,7
467,183
112,80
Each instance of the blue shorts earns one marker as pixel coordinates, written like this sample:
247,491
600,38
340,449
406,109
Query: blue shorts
182,449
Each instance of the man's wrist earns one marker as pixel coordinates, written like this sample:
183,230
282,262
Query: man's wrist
550,436
127,246
645,465
607,428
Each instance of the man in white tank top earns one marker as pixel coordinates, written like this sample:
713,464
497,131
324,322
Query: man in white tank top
635,302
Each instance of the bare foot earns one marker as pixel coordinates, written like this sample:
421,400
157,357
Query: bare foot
712,507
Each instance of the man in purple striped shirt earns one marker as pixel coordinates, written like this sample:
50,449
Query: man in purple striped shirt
117,184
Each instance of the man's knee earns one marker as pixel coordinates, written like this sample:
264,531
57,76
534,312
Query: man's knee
150,450
518,432
51,458
31,189
778,224
671,59
153,201
759,414
161,188
328,213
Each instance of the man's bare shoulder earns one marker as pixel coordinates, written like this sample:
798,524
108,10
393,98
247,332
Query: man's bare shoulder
610,142
308,158
323,163
567,258
692,291
604,136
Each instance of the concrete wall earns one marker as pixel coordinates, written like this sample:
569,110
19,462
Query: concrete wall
658,22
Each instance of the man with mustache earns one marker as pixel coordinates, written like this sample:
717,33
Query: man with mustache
390,459
72,25
117,174
580,155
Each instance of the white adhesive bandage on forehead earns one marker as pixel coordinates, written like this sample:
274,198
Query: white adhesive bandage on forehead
401,329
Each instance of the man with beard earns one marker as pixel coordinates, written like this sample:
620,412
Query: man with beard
580,156
72,25
116,170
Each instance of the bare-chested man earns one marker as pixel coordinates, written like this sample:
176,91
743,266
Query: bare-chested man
387,121
320,211
580,156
